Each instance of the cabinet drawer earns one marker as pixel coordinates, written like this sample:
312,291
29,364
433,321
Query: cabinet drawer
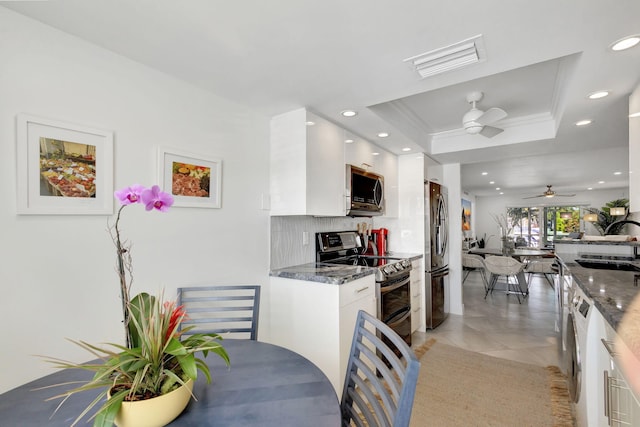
356,290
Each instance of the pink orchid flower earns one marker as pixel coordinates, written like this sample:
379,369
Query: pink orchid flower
129,195
154,198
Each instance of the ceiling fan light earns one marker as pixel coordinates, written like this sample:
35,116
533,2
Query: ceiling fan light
473,128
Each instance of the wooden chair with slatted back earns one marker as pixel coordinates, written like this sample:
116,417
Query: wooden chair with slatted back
230,310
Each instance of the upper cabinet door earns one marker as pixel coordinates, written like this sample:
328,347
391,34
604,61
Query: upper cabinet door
307,175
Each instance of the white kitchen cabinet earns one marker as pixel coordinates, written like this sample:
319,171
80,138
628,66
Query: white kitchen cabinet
307,165
386,164
416,288
317,320
359,152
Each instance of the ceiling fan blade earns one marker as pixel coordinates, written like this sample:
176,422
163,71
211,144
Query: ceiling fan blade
490,131
491,115
534,197
565,195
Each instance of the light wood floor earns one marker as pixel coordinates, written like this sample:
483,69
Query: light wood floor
500,327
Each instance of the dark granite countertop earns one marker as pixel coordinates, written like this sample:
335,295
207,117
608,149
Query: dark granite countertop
334,274
612,291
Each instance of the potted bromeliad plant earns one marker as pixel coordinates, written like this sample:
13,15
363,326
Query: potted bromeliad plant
158,364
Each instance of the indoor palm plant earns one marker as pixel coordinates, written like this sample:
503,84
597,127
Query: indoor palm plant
156,358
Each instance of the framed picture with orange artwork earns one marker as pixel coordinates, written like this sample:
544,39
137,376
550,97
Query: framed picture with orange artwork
194,180
466,215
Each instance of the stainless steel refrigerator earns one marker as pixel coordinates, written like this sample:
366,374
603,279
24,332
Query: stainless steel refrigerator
436,254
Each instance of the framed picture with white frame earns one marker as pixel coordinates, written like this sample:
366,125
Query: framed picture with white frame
194,180
63,168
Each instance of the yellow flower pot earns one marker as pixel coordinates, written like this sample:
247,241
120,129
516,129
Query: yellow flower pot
156,412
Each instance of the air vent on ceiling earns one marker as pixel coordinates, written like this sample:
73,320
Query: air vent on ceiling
448,58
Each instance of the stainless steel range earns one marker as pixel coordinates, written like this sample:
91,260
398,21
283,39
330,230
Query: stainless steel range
392,275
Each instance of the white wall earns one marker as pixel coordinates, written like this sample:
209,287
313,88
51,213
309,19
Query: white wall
451,177
57,272
485,206
634,153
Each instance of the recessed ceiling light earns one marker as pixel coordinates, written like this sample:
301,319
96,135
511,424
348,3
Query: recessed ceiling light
501,192
589,188
600,182
632,115
485,173
375,153
583,123
406,149
310,123
625,43
349,113
383,135
617,173
492,182
498,188
599,94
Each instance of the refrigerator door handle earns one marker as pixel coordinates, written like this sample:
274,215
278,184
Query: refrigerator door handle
441,272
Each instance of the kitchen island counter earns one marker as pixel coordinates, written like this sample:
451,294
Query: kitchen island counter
612,291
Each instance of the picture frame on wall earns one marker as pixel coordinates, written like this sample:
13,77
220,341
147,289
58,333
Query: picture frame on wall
466,215
194,180
63,168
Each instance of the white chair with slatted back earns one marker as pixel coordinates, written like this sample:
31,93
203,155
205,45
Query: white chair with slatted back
231,310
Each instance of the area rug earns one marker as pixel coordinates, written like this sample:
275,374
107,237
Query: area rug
457,387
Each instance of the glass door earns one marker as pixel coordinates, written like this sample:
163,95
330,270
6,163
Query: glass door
560,222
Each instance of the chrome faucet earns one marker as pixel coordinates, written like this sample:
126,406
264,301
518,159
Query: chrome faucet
622,221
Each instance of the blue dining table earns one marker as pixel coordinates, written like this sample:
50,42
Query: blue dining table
266,385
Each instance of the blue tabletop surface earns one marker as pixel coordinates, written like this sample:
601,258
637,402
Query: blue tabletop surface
266,385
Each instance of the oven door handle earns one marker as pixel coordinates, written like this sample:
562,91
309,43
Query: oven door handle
390,288
403,315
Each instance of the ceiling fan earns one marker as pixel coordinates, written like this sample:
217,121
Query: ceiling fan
550,193
476,121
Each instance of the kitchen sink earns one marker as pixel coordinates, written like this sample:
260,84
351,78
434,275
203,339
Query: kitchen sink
607,264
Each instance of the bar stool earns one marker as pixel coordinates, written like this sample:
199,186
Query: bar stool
507,267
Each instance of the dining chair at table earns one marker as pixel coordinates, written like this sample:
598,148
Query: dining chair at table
381,378
472,263
222,309
507,267
544,266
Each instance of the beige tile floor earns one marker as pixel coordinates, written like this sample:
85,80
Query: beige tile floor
500,327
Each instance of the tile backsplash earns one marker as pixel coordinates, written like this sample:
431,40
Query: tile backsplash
288,245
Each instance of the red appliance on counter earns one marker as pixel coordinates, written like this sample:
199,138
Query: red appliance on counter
380,240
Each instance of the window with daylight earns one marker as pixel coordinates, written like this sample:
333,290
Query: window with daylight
540,226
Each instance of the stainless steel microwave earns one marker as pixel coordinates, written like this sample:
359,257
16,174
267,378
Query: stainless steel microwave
365,192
